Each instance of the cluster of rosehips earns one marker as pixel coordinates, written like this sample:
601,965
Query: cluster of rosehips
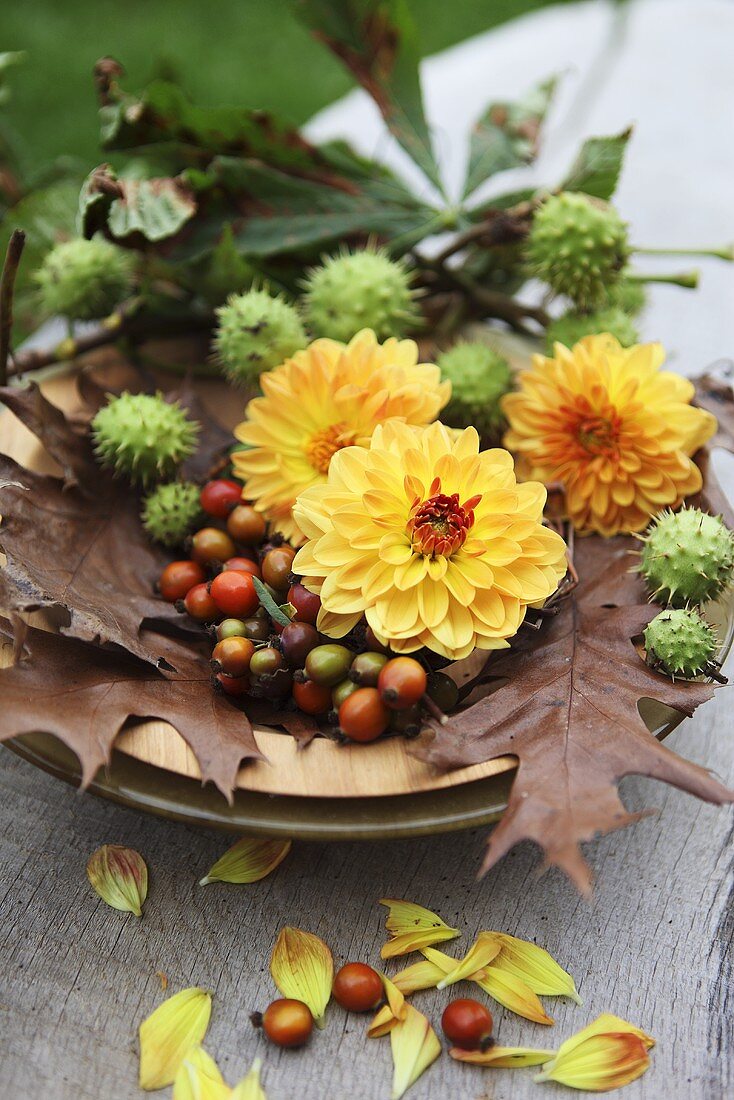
358,988
365,693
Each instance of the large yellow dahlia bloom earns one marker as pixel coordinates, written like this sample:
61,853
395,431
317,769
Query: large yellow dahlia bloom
613,428
432,540
327,397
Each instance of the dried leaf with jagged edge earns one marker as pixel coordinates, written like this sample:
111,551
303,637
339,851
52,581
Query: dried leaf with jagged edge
84,695
568,711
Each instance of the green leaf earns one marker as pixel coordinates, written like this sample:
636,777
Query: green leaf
269,603
154,209
300,215
162,120
8,60
597,168
377,40
507,135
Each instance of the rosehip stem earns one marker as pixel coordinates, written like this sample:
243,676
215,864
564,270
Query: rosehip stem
724,253
687,279
433,710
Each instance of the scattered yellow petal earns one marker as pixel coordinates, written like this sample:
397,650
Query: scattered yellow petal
248,860
169,1033
484,949
249,1087
303,968
415,1047
391,1013
535,967
502,1057
512,992
412,928
120,876
198,1078
605,1055
421,975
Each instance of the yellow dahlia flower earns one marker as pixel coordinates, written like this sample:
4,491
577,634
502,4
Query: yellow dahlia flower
327,397
613,428
432,540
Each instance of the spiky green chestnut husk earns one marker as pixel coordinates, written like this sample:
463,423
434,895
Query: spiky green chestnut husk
171,512
84,280
687,557
479,377
679,642
578,246
356,290
628,295
256,332
143,437
572,327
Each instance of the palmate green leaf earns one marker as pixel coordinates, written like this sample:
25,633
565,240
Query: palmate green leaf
597,168
506,136
162,120
154,209
298,215
377,40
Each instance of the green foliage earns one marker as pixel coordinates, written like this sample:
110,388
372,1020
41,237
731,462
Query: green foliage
680,643
355,290
597,168
171,512
573,326
132,209
143,437
507,134
479,378
578,246
84,280
687,557
256,332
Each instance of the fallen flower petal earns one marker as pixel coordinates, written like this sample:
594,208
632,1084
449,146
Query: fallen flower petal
249,1087
391,1013
484,949
198,1078
412,928
599,1064
415,1047
120,876
303,968
502,1057
249,860
535,967
169,1033
421,975
511,992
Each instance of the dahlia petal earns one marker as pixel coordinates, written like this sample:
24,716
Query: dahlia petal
411,572
433,602
395,549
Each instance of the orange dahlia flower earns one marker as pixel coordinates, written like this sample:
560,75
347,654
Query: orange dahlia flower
613,428
429,538
327,397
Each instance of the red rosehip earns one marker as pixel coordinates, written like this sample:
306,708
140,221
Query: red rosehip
307,604
357,987
234,593
219,497
178,577
200,604
363,716
467,1023
401,683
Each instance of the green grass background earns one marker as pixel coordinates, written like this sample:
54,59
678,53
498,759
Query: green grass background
247,52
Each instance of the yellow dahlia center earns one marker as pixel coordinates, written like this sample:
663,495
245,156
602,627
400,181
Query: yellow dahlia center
324,444
439,525
596,433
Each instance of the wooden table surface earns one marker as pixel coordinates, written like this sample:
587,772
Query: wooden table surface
655,943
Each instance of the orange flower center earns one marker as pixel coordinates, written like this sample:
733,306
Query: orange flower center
439,525
324,444
597,433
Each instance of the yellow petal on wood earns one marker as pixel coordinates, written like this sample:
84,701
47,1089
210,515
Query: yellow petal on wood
415,1047
303,968
421,975
512,992
484,949
249,1087
198,1078
169,1033
249,860
120,876
535,967
599,1063
502,1057
412,928
391,1013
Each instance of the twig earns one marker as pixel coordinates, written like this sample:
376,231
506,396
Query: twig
16,245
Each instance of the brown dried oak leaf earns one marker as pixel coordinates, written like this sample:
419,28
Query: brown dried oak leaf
84,695
568,712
